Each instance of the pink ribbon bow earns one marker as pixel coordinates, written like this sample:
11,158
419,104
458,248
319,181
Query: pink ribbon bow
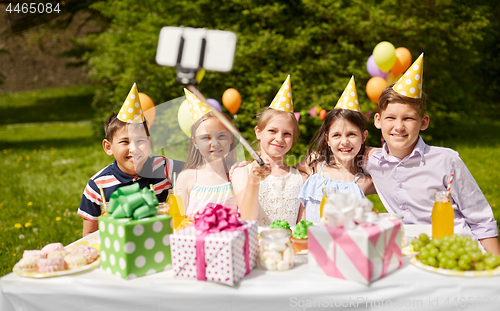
214,219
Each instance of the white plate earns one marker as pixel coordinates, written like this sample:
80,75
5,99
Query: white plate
92,241
469,274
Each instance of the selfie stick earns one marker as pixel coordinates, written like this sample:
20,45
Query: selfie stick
187,77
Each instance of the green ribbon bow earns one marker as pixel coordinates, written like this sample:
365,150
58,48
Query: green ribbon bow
130,201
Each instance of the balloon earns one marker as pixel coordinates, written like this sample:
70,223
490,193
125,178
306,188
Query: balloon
148,108
391,78
313,112
374,88
322,114
214,104
231,99
384,55
297,115
403,61
184,118
373,69
199,75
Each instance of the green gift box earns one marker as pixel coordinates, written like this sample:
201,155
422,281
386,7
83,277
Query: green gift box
133,248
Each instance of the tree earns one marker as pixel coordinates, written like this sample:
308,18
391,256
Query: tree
319,43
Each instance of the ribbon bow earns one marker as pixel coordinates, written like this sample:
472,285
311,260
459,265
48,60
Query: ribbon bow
130,201
214,219
345,209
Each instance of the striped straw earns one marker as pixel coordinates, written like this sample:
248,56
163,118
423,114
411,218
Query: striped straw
102,194
449,187
173,182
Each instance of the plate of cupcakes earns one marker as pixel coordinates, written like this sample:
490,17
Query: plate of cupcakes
56,260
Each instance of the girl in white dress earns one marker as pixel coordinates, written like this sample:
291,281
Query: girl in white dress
271,192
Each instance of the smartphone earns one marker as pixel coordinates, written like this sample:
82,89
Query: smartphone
219,48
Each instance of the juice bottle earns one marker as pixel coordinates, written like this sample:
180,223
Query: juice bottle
442,216
328,191
176,207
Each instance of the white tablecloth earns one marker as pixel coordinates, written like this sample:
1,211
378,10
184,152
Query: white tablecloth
408,288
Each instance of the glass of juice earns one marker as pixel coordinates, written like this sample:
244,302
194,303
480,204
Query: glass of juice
104,209
442,216
327,192
176,207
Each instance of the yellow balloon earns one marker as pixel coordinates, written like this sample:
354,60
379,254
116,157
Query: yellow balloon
200,75
384,54
184,118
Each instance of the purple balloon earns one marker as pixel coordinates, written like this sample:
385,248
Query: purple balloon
373,69
214,104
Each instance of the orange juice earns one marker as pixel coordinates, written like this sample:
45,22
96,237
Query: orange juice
176,208
442,216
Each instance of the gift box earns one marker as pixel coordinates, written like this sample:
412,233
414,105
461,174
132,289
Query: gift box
134,242
133,248
224,257
362,254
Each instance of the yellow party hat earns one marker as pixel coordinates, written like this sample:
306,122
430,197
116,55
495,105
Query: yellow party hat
349,98
283,100
410,84
131,111
196,106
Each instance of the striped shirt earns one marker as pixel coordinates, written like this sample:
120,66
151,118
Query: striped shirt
156,171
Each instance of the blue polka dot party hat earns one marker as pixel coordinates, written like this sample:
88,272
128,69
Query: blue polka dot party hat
283,100
196,107
349,98
131,111
410,84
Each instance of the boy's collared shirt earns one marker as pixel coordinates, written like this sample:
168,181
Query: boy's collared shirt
407,187
157,171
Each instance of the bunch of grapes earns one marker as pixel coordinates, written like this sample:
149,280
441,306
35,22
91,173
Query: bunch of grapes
456,252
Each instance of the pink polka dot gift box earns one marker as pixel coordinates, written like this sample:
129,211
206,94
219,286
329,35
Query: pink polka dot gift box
225,256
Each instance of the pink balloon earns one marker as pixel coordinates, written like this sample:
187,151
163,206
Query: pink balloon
373,69
214,104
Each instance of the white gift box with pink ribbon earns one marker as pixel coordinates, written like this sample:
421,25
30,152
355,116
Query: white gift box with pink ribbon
224,257
363,254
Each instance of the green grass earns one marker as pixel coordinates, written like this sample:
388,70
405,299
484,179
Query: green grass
48,153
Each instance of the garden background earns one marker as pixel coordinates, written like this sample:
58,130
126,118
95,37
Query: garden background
61,80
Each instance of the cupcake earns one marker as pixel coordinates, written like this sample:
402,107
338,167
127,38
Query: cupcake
28,264
299,236
51,265
75,261
280,224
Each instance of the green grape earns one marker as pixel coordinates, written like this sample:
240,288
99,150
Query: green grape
489,262
466,257
441,257
463,264
442,264
450,255
437,242
424,254
424,238
496,262
431,261
480,266
461,251
433,252
445,246
415,242
418,245
476,256
451,264
455,247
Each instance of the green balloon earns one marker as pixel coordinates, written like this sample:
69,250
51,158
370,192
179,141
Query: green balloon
384,54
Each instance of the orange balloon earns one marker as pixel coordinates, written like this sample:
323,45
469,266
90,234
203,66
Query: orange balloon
322,114
374,88
148,108
231,99
403,61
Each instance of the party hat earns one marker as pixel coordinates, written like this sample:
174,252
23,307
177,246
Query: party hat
349,98
196,106
283,100
131,111
410,84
